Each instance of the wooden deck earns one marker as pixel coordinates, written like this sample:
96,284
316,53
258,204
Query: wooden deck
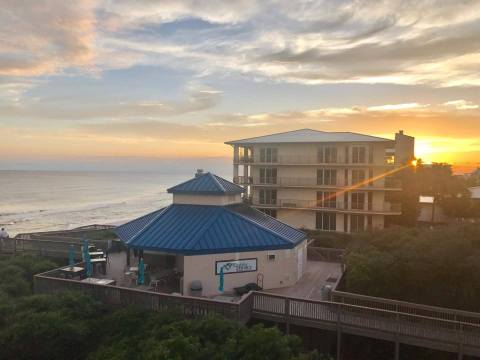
414,324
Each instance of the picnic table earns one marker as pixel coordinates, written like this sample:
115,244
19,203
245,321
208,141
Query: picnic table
97,281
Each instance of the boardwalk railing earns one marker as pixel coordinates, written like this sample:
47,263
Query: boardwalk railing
50,282
405,307
316,253
407,323
432,332
54,246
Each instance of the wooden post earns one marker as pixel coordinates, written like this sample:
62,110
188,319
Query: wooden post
339,335
397,343
287,316
460,343
128,256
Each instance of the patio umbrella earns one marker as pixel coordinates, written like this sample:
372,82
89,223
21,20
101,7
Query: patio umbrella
71,256
222,280
86,258
141,272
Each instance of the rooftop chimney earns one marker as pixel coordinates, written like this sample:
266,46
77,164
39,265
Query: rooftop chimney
400,132
199,172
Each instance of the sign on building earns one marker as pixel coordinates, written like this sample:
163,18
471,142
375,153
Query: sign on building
236,266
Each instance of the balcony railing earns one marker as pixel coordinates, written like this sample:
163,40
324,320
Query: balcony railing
305,160
334,205
312,182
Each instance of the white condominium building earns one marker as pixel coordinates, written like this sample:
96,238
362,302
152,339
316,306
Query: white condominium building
336,181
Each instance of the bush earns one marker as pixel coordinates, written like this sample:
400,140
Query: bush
435,267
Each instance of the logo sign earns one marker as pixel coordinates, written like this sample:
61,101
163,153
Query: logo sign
236,266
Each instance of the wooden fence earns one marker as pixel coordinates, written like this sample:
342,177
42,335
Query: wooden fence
53,246
316,253
50,282
407,323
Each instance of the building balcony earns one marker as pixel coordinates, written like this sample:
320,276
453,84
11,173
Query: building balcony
332,205
306,160
312,182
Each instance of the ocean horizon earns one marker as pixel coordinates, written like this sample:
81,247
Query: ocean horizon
32,201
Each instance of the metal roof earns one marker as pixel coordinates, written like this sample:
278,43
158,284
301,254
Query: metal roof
208,229
207,183
309,136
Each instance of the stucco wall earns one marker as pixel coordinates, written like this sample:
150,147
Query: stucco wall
281,272
206,199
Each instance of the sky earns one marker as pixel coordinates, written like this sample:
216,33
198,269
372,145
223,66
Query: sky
89,80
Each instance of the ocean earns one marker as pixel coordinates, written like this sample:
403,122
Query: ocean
54,200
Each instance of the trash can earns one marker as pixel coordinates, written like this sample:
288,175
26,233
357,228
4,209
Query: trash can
325,292
196,288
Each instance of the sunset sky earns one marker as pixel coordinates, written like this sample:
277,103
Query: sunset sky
174,78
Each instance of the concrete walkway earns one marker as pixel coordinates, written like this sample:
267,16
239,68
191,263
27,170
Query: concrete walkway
317,274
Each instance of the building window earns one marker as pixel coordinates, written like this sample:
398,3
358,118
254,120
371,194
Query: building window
327,155
370,177
269,212
327,199
268,155
326,177
370,154
358,176
268,176
326,221
271,257
358,154
345,222
268,197
358,201
370,201
357,223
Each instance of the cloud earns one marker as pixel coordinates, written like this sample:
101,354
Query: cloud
45,36
434,42
198,99
461,104
397,107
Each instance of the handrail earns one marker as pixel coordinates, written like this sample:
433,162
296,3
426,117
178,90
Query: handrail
352,306
341,296
286,309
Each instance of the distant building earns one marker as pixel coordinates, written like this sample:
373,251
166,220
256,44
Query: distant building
474,193
335,181
430,212
209,230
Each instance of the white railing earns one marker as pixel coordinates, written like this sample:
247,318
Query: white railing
333,205
313,182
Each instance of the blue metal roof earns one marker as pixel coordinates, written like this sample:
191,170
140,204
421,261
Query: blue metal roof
128,230
207,229
207,183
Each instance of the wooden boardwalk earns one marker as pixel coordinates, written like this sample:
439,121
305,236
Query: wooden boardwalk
419,325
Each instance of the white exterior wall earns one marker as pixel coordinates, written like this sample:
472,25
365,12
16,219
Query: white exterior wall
281,272
297,163
206,199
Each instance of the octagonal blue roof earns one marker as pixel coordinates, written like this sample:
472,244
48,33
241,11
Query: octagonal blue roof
208,229
207,183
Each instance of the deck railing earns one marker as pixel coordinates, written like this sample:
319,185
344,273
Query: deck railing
436,328
50,282
316,253
53,246
332,205
405,307
364,320
312,182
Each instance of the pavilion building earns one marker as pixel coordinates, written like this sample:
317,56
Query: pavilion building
208,230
